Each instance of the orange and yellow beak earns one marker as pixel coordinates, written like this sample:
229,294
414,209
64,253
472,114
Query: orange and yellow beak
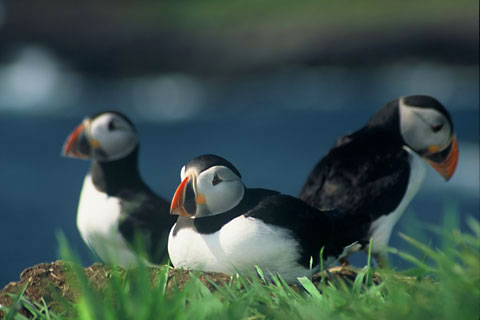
176,207
185,200
76,145
445,160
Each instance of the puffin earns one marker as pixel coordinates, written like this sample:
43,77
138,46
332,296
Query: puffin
223,226
372,174
119,217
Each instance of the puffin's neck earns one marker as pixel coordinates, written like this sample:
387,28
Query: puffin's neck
251,198
113,176
213,223
385,125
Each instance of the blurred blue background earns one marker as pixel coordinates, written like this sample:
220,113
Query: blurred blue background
269,85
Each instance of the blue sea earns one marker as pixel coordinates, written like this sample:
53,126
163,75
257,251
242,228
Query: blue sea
274,127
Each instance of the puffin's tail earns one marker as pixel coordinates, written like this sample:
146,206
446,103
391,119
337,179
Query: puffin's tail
348,235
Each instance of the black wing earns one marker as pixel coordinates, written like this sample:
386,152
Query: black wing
312,228
312,190
148,221
365,176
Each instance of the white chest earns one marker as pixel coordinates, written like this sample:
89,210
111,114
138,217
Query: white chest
97,220
240,245
381,228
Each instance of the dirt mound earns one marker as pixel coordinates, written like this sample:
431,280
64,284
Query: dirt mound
56,282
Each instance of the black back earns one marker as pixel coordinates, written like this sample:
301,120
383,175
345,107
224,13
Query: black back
365,175
312,228
145,216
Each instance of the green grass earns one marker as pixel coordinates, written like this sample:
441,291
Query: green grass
444,284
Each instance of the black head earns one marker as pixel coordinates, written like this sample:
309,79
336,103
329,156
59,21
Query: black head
210,185
206,161
427,102
424,125
112,112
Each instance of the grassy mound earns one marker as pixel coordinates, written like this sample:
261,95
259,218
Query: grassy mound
56,285
445,284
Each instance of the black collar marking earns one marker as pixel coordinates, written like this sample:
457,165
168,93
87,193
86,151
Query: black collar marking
211,224
113,177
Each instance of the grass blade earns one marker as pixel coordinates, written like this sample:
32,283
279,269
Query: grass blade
310,287
368,280
12,310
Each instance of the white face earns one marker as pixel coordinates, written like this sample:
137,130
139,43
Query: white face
113,135
222,189
424,129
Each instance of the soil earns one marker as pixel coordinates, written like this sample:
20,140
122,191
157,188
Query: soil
57,285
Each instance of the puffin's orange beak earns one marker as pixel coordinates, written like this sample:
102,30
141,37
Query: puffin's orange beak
445,161
71,146
178,200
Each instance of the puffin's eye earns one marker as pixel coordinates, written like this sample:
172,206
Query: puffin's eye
437,127
216,180
111,125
